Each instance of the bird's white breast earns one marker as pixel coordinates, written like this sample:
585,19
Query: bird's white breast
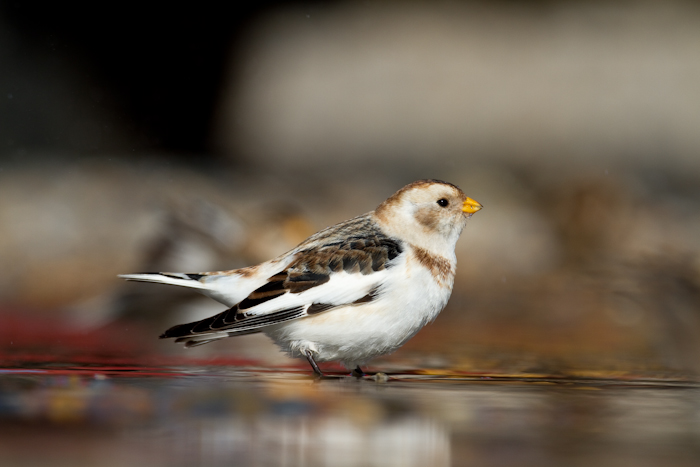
410,297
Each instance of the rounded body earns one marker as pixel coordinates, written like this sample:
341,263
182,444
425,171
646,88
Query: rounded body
354,334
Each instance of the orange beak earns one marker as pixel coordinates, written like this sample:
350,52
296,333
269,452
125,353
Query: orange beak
470,206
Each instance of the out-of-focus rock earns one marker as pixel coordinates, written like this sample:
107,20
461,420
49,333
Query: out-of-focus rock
68,231
555,82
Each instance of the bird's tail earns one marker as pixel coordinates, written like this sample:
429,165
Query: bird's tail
171,278
224,286
197,340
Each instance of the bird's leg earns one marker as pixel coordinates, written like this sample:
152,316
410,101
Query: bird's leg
310,357
357,372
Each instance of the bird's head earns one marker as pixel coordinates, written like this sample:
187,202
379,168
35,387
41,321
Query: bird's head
427,213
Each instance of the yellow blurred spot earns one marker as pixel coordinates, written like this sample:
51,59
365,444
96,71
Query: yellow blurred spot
66,406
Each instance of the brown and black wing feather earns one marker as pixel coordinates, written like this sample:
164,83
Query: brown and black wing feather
360,254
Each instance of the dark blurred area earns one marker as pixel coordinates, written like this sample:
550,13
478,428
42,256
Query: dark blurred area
126,77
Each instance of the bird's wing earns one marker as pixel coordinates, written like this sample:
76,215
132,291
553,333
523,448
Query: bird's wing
231,287
338,273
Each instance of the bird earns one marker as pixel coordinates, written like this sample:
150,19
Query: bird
350,292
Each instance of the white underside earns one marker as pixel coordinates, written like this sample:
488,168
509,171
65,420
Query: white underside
410,298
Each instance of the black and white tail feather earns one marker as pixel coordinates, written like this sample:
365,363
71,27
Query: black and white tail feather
174,278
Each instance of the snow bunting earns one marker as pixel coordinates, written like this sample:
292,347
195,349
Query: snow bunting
349,293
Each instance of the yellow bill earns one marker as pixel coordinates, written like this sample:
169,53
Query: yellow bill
470,206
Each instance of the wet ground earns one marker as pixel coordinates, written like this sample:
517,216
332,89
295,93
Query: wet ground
118,413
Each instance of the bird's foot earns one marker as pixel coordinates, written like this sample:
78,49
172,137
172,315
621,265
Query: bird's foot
310,357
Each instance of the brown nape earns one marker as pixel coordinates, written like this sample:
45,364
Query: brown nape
439,266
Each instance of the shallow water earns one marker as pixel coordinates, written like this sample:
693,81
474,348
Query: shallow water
112,415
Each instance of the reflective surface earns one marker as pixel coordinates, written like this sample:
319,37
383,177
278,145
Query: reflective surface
56,414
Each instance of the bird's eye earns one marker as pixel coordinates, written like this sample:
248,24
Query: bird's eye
443,202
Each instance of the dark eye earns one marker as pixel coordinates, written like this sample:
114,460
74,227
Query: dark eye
442,202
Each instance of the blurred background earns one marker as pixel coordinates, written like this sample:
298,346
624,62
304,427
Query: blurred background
138,137
192,139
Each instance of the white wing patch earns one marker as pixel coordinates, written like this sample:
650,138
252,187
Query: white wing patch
342,289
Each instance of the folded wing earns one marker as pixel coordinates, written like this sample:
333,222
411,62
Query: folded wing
347,272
